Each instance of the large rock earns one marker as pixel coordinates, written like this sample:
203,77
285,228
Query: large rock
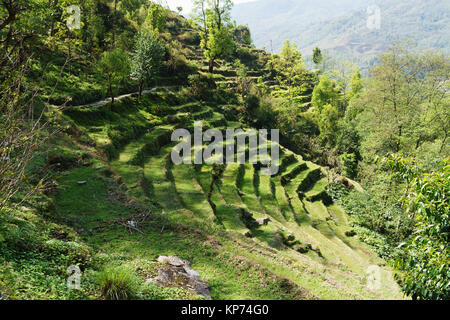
173,261
178,272
262,221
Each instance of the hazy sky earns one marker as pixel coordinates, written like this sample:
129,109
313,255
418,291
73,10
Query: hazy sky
187,4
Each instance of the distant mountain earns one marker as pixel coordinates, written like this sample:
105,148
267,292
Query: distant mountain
341,26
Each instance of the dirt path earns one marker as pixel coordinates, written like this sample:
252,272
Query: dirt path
123,96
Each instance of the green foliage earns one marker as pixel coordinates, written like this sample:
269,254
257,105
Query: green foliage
115,67
317,56
152,291
156,17
348,140
380,225
69,251
219,44
404,104
201,85
146,59
251,103
349,165
426,264
242,35
328,124
356,85
324,93
117,283
214,18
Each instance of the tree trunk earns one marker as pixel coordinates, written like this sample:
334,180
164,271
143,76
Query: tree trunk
141,85
443,143
211,66
114,23
111,94
397,146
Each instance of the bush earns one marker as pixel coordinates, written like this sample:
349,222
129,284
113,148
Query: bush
152,291
201,84
70,252
251,103
349,165
118,283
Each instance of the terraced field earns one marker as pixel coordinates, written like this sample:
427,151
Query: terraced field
286,224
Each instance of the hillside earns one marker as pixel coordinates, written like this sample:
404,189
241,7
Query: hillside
249,236
341,26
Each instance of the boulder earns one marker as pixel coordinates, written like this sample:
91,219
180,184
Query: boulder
174,261
262,221
177,272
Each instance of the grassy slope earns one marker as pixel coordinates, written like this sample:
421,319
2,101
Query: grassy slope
186,225
130,174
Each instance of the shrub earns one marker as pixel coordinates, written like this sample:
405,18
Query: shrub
70,252
251,103
118,283
349,165
151,291
201,84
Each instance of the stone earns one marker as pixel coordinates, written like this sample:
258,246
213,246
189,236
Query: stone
174,261
178,272
81,183
262,221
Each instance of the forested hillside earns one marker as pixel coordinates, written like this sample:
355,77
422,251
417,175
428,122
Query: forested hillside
92,205
341,26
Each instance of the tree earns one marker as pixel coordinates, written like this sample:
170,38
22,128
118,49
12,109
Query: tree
426,263
242,35
290,71
115,67
220,44
156,17
404,99
317,56
328,125
146,59
214,18
349,165
324,93
221,10
356,85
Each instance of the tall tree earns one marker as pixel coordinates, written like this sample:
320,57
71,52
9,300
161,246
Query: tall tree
214,18
115,67
325,93
403,91
146,59
290,70
317,55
